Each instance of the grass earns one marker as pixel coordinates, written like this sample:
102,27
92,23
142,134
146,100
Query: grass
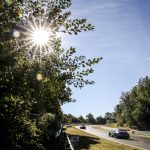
91,142
99,127
112,125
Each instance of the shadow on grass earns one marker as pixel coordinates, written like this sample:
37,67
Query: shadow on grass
85,142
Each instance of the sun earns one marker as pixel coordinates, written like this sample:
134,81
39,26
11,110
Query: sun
36,37
40,37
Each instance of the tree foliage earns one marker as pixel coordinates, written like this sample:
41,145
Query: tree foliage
134,107
109,116
23,97
90,118
71,119
17,130
100,120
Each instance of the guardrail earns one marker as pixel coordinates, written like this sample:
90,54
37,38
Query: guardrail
63,142
68,145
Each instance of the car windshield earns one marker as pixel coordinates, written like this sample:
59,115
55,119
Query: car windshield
121,130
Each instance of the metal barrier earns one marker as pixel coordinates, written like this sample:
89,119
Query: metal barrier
63,142
68,145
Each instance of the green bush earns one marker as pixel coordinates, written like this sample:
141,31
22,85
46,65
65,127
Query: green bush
49,124
17,130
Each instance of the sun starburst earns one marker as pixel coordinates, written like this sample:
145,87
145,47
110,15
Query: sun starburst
40,36
36,37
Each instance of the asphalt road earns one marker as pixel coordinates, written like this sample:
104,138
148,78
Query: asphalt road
139,142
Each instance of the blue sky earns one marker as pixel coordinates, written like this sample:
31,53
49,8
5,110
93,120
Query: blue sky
122,38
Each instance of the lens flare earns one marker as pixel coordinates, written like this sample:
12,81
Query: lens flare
39,76
16,34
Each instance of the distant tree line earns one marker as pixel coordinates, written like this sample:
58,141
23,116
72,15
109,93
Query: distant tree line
134,106
70,119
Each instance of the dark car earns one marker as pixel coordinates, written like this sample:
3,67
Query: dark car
119,133
82,126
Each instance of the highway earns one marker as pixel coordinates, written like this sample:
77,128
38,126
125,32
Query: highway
134,141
